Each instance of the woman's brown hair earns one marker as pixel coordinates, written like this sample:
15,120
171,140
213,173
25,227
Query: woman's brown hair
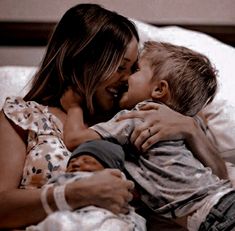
85,49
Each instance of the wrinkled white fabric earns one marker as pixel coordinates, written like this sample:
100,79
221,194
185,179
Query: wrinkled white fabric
90,218
200,215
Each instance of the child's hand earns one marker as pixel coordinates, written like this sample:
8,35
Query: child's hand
70,99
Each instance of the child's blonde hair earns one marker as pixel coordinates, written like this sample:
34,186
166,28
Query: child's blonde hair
190,75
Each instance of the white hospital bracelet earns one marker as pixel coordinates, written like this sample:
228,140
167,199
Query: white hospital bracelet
43,198
59,197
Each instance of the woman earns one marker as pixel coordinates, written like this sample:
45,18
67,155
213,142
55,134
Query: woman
92,51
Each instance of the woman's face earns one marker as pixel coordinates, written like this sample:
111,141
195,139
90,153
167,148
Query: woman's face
106,96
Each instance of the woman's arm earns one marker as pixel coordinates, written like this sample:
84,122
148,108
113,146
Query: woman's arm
22,207
162,123
18,207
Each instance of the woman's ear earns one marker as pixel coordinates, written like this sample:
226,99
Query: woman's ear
160,91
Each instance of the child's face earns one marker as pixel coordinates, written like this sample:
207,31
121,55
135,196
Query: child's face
139,86
84,163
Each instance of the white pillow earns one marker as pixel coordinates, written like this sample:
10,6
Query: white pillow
14,81
221,112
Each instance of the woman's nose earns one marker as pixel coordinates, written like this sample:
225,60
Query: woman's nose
125,77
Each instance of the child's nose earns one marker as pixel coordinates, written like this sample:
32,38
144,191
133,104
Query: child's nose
80,161
75,164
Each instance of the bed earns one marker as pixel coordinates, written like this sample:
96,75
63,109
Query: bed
217,42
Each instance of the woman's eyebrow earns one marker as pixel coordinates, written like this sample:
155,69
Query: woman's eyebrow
126,59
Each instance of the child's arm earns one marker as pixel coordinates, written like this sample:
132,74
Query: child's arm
75,131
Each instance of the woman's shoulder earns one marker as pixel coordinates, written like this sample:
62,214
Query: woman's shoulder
18,103
22,113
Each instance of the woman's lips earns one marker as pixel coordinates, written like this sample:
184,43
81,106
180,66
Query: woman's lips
113,91
117,92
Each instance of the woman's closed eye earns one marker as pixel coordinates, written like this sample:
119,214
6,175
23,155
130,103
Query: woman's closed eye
121,69
135,68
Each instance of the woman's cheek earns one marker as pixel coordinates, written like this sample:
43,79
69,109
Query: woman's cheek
103,102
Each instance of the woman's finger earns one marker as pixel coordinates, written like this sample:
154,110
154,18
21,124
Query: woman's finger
115,172
130,197
143,133
130,185
124,209
115,208
149,142
140,137
136,133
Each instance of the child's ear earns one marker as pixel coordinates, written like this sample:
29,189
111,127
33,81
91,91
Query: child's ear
160,90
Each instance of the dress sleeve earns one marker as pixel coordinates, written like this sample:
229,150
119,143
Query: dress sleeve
27,115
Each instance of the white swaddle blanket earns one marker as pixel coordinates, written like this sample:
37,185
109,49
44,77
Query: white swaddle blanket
90,218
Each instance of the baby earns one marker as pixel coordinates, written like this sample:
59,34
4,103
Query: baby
88,158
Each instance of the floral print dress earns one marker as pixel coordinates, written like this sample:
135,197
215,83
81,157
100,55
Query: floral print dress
47,155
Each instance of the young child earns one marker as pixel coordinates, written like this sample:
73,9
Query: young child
173,182
88,158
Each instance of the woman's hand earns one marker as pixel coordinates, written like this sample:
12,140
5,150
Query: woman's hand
162,123
159,123
107,189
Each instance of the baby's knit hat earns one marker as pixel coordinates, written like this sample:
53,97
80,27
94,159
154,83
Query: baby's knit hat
110,155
